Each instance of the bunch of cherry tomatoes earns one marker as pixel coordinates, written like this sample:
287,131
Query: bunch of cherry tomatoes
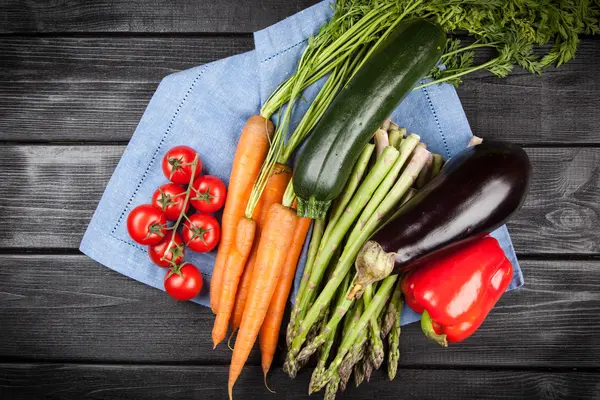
147,224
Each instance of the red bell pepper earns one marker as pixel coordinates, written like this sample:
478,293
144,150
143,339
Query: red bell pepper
456,291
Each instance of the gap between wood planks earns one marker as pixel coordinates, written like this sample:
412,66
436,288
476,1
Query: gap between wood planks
528,145
68,251
8,361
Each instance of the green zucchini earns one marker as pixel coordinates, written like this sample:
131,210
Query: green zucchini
388,75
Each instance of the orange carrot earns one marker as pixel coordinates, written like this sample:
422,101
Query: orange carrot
274,243
251,151
273,193
269,331
238,255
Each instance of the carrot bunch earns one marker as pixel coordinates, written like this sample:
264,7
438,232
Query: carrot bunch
262,239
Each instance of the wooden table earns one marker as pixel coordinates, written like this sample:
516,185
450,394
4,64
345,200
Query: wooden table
75,78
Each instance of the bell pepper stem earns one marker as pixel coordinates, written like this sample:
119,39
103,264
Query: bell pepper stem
427,327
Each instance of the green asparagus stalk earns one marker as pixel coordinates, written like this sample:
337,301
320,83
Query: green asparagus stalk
353,247
330,337
438,162
394,344
380,298
396,136
375,344
358,202
355,178
425,174
369,367
406,150
317,234
393,126
356,354
410,193
332,388
382,141
359,371
352,317
391,314
386,124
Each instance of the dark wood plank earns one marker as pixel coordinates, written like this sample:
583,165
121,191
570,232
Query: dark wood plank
50,192
97,89
63,381
92,88
111,59
556,107
58,307
144,15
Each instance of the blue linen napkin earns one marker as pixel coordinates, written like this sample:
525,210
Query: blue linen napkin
206,107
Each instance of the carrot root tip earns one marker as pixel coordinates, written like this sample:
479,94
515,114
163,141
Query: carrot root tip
229,340
267,386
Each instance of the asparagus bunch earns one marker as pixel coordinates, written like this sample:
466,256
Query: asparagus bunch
324,313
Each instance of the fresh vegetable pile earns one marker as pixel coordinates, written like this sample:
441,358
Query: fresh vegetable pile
373,53
147,223
391,222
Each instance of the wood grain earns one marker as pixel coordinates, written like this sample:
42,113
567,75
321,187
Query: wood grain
48,194
55,381
144,15
82,88
72,308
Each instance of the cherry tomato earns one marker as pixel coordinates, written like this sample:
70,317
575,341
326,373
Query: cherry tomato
183,283
177,165
208,194
170,198
157,251
146,224
201,233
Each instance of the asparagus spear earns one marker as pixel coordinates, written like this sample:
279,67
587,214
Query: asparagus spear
386,124
359,371
394,344
381,141
355,178
425,174
396,137
332,388
368,368
410,193
354,356
438,162
353,246
391,314
375,344
330,337
317,234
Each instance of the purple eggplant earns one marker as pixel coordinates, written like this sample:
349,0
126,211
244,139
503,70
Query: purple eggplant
477,191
